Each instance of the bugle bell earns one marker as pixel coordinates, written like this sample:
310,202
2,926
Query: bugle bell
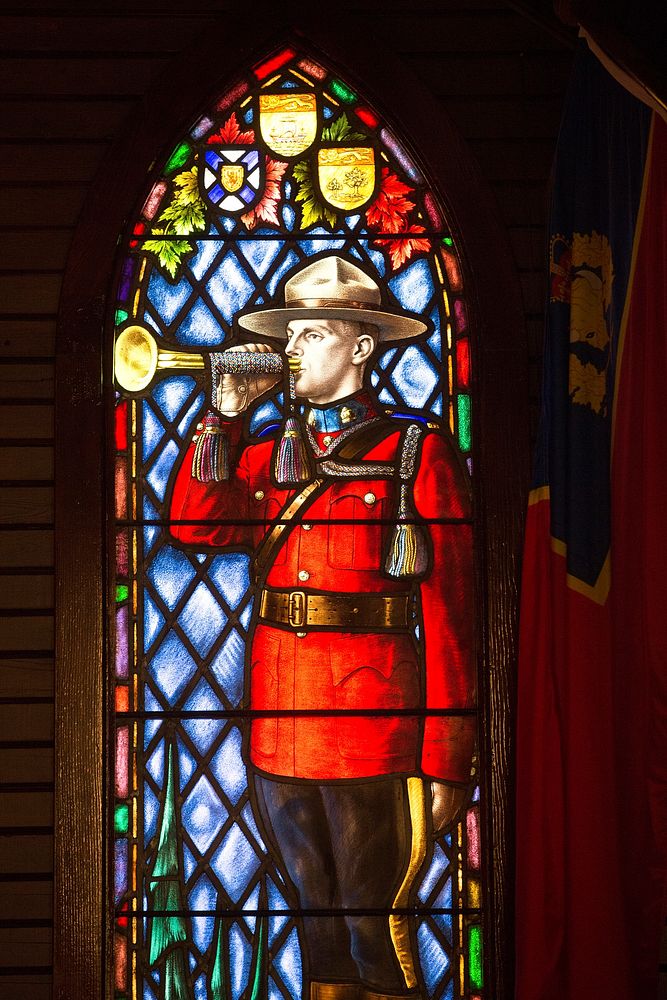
138,360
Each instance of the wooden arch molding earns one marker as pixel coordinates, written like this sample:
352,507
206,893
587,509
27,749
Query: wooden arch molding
82,935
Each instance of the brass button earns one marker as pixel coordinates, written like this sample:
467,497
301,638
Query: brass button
304,575
301,635
259,494
326,440
369,499
306,527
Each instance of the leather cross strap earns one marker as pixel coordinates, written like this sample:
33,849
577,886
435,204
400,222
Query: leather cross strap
355,446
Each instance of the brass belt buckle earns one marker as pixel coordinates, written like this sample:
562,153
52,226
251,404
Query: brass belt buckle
296,608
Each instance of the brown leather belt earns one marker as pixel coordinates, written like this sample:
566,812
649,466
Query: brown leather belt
352,612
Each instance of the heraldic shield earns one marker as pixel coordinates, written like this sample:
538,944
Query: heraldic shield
232,179
346,175
288,122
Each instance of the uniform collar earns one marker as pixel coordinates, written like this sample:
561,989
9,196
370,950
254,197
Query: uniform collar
340,415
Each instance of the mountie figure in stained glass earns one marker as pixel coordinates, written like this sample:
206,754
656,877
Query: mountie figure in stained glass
360,675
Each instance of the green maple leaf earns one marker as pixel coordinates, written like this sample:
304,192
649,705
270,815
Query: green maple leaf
170,253
312,210
187,182
186,217
340,130
186,212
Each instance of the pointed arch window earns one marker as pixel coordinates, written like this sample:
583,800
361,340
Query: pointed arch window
289,165
290,182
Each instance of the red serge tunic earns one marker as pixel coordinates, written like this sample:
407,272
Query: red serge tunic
338,547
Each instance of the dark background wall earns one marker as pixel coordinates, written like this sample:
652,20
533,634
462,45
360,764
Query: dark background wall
70,77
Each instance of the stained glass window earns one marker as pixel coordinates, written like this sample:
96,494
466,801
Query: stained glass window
288,193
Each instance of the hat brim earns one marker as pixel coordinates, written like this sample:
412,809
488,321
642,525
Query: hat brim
392,326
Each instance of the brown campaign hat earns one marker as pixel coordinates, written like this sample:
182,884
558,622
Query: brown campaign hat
333,288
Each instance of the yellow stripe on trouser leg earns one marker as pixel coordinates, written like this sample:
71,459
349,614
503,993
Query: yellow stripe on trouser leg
398,923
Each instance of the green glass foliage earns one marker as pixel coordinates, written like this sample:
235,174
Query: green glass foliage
185,214
218,978
312,209
340,130
258,982
167,932
122,592
176,979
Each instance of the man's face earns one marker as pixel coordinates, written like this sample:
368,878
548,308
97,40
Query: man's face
332,353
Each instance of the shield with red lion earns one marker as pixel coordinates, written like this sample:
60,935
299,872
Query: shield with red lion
232,177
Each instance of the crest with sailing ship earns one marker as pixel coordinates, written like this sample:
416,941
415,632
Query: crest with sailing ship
288,122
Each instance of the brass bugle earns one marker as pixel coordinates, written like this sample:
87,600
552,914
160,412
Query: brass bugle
138,359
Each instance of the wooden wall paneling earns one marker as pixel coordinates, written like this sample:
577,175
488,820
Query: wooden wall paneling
36,987
22,249
27,900
25,947
26,677
28,765
449,30
81,119
109,75
24,805
32,505
29,631
34,337
21,292
23,206
27,591
68,161
27,422
25,464
29,380
99,33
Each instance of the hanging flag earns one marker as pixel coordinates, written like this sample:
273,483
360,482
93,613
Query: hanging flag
592,716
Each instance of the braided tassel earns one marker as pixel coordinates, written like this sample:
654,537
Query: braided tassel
210,462
293,463
407,554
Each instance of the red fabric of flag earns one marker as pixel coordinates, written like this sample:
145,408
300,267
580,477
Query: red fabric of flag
592,687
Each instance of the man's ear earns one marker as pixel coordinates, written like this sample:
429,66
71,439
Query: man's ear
363,349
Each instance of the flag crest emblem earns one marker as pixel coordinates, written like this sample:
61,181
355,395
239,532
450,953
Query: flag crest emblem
232,177
346,175
288,122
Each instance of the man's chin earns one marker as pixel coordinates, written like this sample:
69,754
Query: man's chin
301,385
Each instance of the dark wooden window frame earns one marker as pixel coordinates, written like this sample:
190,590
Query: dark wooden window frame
82,933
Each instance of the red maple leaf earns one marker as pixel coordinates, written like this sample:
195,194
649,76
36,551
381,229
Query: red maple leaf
232,134
389,211
402,250
267,207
